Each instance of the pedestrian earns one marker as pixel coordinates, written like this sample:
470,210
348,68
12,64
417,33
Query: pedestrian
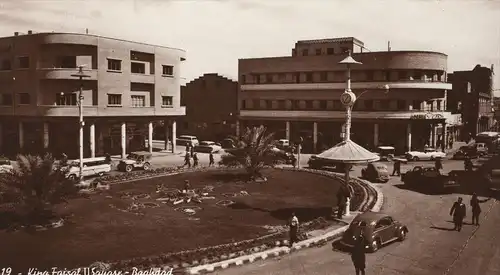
188,148
358,256
187,160
458,211
450,143
294,229
396,168
342,196
192,150
211,160
195,160
64,159
438,164
294,161
467,163
476,207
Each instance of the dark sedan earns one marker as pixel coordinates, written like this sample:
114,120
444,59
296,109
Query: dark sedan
378,229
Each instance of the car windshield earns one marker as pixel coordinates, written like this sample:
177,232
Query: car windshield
132,156
359,224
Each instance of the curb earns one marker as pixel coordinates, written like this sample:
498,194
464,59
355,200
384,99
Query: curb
278,251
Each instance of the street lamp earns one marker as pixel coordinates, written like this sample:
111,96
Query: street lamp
81,75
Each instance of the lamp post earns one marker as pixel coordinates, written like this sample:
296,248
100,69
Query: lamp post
81,75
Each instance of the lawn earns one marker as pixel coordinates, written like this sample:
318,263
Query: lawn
97,230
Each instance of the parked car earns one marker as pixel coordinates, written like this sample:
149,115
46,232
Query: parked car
465,151
426,154
5,165
376,172
480,148
386,153
316,162
286,156
227,143
136,160
186,139
91,167
283,143
207,147
429,177
378,229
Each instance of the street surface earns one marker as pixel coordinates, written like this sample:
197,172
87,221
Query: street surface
431,246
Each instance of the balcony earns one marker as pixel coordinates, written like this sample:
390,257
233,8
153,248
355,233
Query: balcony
64,73
404,84
90,111
340,115
142,78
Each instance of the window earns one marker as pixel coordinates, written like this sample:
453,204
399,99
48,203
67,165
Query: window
66,99
5,65
257,79
67,62
24,98
167,101
417,75
384,222
323,76
385,104
318,51
138,68
369,104
297,77
323,104
281,104
387,75
330,51
138,101
438,105
401,105
269,78
337,105
430,106
309,77
305,52
114,99
168,70
23,62
6,100
114,64
369,75
309,104
296,104
417,104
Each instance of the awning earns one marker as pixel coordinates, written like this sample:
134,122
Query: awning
349,152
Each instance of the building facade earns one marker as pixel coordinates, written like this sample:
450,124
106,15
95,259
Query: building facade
130,86
472,97
299,95
211,107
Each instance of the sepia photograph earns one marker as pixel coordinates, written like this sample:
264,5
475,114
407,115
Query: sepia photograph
249,137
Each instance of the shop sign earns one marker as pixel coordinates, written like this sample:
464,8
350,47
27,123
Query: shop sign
427,116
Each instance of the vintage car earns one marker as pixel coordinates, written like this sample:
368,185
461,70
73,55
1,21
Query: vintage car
184,140
429,177
136,160
375,172
426,154
227,143
378,229
316,162
465,151
5,165
91,167
386,153
207,147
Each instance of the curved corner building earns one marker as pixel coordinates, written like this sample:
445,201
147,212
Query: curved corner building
130,86
299,95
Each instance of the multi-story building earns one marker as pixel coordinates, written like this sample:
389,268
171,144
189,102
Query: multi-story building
472,97
211,106
299,95
130,85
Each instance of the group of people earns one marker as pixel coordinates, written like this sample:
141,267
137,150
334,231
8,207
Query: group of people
459,211
190,153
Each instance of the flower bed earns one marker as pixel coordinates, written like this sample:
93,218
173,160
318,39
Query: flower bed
134,175
219,253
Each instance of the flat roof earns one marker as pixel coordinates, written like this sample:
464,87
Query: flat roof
331,40
354,54
97,36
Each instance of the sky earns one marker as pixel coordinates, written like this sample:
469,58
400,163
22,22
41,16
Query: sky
215,33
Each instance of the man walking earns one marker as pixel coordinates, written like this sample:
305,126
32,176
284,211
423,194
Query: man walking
195,160
187,160
294,229
458,211
211,160
476,208
438,164
396,168
358,256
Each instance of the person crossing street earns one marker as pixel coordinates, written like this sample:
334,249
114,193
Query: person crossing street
458,211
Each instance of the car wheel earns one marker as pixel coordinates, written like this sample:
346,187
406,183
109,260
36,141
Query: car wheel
415,158
129,168
401,235
385,181
72,177
146,166
375,245
100,174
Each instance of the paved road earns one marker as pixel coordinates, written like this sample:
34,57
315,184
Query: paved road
431,248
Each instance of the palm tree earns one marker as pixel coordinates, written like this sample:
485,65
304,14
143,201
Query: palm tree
35,186
254,151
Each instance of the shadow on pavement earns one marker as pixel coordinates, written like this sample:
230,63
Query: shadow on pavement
304,214
442,228
425,191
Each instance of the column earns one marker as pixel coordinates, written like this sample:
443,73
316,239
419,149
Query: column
124,139
315,136
375,134
45,135
174,136
237,128
431,135
21,135
408,136
1,138
445,137
166,124
287,131
92,139
150,137
435,137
